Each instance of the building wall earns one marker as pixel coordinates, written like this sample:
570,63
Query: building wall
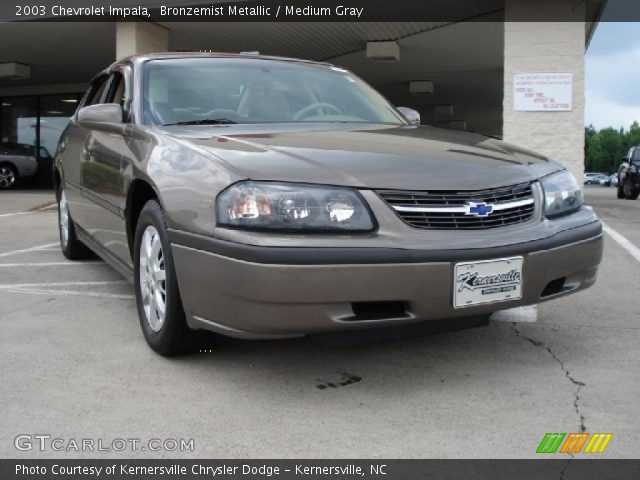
140,37
546,46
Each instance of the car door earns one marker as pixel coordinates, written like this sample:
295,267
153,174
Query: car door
101,173
71,152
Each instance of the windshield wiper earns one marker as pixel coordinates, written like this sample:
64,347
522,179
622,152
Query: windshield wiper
204,121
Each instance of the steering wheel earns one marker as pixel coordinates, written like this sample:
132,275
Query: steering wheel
304,113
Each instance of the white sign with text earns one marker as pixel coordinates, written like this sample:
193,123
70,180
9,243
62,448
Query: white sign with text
543,92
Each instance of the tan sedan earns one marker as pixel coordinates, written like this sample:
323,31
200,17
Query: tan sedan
264,197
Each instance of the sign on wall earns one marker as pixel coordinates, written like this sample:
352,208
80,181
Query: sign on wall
543,92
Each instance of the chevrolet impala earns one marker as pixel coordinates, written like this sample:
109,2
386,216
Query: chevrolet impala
261,197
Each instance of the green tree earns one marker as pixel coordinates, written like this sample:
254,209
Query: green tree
605,148
613,148
596,155
633,136
589,132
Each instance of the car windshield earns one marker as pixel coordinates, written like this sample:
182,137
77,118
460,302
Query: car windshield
202,91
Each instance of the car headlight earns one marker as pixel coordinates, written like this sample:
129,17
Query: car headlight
281,206
562,194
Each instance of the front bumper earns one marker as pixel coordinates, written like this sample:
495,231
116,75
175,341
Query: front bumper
269,292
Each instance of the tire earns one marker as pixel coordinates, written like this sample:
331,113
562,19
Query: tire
156,286
71,247
630,191
8,176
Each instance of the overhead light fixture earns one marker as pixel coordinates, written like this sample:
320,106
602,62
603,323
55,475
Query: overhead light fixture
70,100
6,104
15,71
383,51
421,87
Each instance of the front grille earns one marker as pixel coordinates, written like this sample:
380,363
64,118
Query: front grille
449,209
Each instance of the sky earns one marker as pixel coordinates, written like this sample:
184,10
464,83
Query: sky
612,82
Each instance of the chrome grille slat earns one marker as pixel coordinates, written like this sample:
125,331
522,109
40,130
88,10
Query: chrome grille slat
452,200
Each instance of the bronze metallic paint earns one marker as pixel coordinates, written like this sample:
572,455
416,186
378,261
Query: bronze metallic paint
187,167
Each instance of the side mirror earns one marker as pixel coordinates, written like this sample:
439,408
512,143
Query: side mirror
410,114
101,113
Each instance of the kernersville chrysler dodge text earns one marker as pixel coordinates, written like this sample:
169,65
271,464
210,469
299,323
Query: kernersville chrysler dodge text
262,197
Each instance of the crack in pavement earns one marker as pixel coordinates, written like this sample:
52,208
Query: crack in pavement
564,468
567,373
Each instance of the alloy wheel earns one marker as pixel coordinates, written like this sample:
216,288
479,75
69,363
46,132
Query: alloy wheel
7,177
64,219
153,278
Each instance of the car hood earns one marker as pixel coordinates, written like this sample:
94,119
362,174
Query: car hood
367,156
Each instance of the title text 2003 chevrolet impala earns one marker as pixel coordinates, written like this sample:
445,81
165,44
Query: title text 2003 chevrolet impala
266,197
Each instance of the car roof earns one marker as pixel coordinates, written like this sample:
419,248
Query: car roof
137,59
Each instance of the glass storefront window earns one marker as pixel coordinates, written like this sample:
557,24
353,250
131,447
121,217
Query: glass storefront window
19,120
35,123
55,111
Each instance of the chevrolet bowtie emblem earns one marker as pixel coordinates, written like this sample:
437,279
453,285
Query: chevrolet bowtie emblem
478,209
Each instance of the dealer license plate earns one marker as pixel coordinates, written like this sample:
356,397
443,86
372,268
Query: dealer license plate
487,281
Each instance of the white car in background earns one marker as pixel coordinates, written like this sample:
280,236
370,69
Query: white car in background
591,178
17,160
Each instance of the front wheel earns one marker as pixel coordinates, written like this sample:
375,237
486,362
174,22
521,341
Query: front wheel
630,191
71,247
162,317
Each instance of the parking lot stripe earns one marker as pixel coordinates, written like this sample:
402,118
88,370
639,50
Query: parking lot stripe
38,291
528,314
13,214
61,284
622,241
26,250
48,264
43,209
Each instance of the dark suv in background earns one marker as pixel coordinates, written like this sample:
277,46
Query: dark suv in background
629,175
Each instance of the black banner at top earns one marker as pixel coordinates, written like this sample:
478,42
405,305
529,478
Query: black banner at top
445,11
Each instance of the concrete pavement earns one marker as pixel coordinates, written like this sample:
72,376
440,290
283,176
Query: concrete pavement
75,365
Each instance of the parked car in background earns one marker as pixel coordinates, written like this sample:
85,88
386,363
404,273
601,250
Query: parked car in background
629,175
613,180
595,178
17,160
588,175
262,197
605,181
